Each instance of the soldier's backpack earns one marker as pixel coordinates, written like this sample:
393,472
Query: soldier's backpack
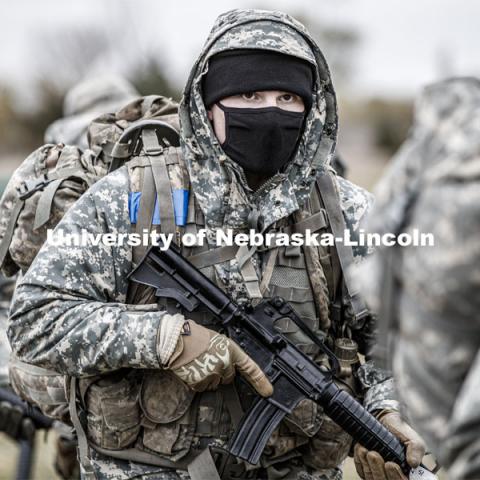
39,194
53,177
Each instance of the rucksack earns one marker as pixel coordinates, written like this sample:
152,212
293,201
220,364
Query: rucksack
53,177
39,194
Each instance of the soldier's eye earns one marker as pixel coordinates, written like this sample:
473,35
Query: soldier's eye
288,97
249,96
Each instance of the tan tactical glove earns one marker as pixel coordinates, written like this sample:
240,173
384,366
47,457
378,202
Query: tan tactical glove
203,359
371,466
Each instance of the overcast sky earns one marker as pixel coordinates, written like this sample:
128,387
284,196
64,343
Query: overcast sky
404,43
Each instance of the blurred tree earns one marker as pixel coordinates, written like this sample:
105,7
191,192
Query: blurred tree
66,56
149,78
31,124
390,121
6,112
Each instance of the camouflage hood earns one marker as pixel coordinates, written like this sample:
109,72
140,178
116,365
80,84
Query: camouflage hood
218,183
444,145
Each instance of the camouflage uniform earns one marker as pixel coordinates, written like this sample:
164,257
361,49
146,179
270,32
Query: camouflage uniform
70,312
433,304
87,100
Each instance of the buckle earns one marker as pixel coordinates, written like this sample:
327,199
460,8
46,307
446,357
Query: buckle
29,187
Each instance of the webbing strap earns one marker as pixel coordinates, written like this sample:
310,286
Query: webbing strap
314,222
145,215
214,256
203,467
268,271
44,206
81,435
7,238
191,209
161,178
145,161
248,272
331,201
164,194
117,150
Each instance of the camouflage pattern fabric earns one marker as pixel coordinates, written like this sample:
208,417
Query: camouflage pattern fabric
6,291
70,313
106,468
433,186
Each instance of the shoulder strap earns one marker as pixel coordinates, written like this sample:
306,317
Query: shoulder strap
332,204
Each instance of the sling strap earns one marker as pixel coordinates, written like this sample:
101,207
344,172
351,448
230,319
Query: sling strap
331,201
81,435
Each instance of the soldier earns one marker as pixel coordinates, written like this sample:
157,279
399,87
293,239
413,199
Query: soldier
258,126
428,295
87,100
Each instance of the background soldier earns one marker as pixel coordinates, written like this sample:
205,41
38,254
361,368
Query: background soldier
258,123
87,100
84,102
427,295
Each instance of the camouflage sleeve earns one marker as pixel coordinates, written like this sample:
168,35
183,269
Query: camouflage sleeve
376,383
69,312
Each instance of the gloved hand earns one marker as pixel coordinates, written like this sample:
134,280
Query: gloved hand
203,359
371,466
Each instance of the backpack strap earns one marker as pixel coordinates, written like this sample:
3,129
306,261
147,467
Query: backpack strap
145,216
333,207
7,238
157,156
45,202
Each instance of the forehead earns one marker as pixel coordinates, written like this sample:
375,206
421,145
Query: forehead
264,93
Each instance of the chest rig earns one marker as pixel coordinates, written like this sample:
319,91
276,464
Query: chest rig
151,416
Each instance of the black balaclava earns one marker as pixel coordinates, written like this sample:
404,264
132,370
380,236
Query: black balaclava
260,140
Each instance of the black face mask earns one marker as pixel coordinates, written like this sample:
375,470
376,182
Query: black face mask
261,140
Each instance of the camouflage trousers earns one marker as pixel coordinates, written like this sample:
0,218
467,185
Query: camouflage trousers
107,468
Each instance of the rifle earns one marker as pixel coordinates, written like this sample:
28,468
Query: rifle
28,420
293,375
